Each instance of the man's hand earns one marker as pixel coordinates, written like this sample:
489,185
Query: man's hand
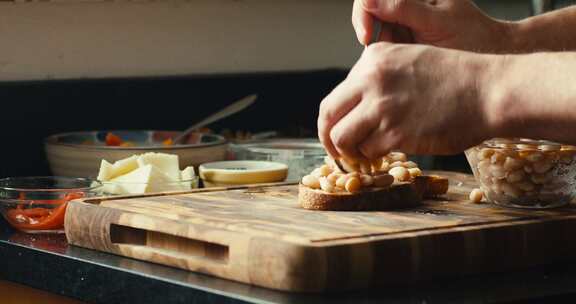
414,98
455,24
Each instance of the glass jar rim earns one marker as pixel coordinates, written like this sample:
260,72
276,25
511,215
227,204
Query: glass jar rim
497,143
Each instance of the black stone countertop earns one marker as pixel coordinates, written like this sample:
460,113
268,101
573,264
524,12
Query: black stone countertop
47,262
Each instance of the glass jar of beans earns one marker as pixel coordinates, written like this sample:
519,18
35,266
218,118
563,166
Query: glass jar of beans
525,173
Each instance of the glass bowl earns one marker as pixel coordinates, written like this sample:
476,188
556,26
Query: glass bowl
300,155
525,173
38,204
132,188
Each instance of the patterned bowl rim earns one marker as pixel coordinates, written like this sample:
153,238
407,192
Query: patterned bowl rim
53,140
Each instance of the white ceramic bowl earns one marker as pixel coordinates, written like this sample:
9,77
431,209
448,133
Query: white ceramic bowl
80,153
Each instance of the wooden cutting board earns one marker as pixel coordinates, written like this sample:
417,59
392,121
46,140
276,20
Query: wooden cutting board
260,236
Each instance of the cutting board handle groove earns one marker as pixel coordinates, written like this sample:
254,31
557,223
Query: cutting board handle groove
154,242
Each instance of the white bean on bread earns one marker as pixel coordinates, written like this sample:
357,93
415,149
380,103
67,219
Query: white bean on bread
379,173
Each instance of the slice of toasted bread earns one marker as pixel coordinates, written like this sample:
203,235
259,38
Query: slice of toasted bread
399,195
436,185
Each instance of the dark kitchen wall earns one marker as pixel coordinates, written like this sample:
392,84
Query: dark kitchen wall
33,110
288,101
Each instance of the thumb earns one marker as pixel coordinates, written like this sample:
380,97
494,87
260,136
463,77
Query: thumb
410,13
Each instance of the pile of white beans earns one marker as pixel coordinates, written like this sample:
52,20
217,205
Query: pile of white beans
380,173
526,174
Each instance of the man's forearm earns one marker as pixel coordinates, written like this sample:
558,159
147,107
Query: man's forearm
554,31
534,96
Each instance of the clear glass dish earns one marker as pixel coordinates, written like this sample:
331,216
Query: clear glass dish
300,155
38,204
128,188
525,173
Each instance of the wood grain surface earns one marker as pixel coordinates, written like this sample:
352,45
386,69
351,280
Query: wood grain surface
260,235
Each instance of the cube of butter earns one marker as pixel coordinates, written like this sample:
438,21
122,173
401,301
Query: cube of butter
188,174
188,178
166,163
109,171
106,171
125,166
146,179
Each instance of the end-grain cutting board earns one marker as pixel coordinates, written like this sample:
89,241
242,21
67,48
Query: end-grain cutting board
259,235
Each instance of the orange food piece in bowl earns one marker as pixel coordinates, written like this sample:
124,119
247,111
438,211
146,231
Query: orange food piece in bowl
168,142
113,140
41,218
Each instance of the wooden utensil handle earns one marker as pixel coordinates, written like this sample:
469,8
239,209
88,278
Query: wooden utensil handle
147,242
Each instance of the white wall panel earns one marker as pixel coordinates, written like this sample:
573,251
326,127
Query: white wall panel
72,39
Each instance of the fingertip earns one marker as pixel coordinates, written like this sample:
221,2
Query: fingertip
330,149
361,35
344,144
360,22
332,152
325,140
337,142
